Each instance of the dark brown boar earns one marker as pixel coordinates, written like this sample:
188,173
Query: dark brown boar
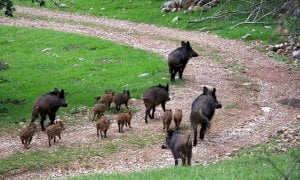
154,96
178,59
177,117
122,98
180,145
203,109
27,133
167,119
48,104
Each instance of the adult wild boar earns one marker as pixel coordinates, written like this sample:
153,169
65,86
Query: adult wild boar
154,96
180,145
178,59
48,104
203,109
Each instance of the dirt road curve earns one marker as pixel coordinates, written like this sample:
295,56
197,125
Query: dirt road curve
249,85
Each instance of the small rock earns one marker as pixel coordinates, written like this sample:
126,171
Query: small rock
266,109
144,75
175,19
298,117
246,36
47,49
296,54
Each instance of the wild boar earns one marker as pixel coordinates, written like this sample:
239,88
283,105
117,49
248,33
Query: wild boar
178,59
48,104
154,96
203,109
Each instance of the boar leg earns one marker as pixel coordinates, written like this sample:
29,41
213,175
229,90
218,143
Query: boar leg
153,110
52,117
43,118
163,105
195,136
147,114
176,162
202,130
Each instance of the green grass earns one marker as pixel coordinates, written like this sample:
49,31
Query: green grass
83,66
146,11
244,167
64,155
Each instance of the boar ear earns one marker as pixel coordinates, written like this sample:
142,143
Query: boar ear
183,43
55,91
62,93
205,90
188,44
167,88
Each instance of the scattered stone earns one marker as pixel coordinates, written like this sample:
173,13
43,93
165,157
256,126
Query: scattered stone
144,75
246,36
296,54
46,49
175,19
3,65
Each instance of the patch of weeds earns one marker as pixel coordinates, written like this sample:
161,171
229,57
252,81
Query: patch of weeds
109,61
110,148
3,80
243,80
235,67
143,140
217,58
233,106
71,48
293,64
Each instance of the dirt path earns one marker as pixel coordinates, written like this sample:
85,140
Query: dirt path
249,85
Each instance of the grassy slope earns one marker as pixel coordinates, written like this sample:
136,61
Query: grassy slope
63,155
146,11
244,167
83,66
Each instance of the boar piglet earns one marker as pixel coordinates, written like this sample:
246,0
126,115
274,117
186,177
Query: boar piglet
177,117
167,119
154,96
27,133
99,110
124,119
203,109
122,98
102,125
107,98
54,130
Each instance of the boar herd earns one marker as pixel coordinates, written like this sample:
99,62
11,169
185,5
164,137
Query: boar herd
180,144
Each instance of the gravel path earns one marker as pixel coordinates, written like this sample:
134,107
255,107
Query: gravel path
258,114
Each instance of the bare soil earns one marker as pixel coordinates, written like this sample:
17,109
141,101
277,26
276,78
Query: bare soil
251,111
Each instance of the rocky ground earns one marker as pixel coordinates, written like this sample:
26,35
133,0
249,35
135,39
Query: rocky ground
249,84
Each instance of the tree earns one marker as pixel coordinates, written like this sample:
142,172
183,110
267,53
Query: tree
8,5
